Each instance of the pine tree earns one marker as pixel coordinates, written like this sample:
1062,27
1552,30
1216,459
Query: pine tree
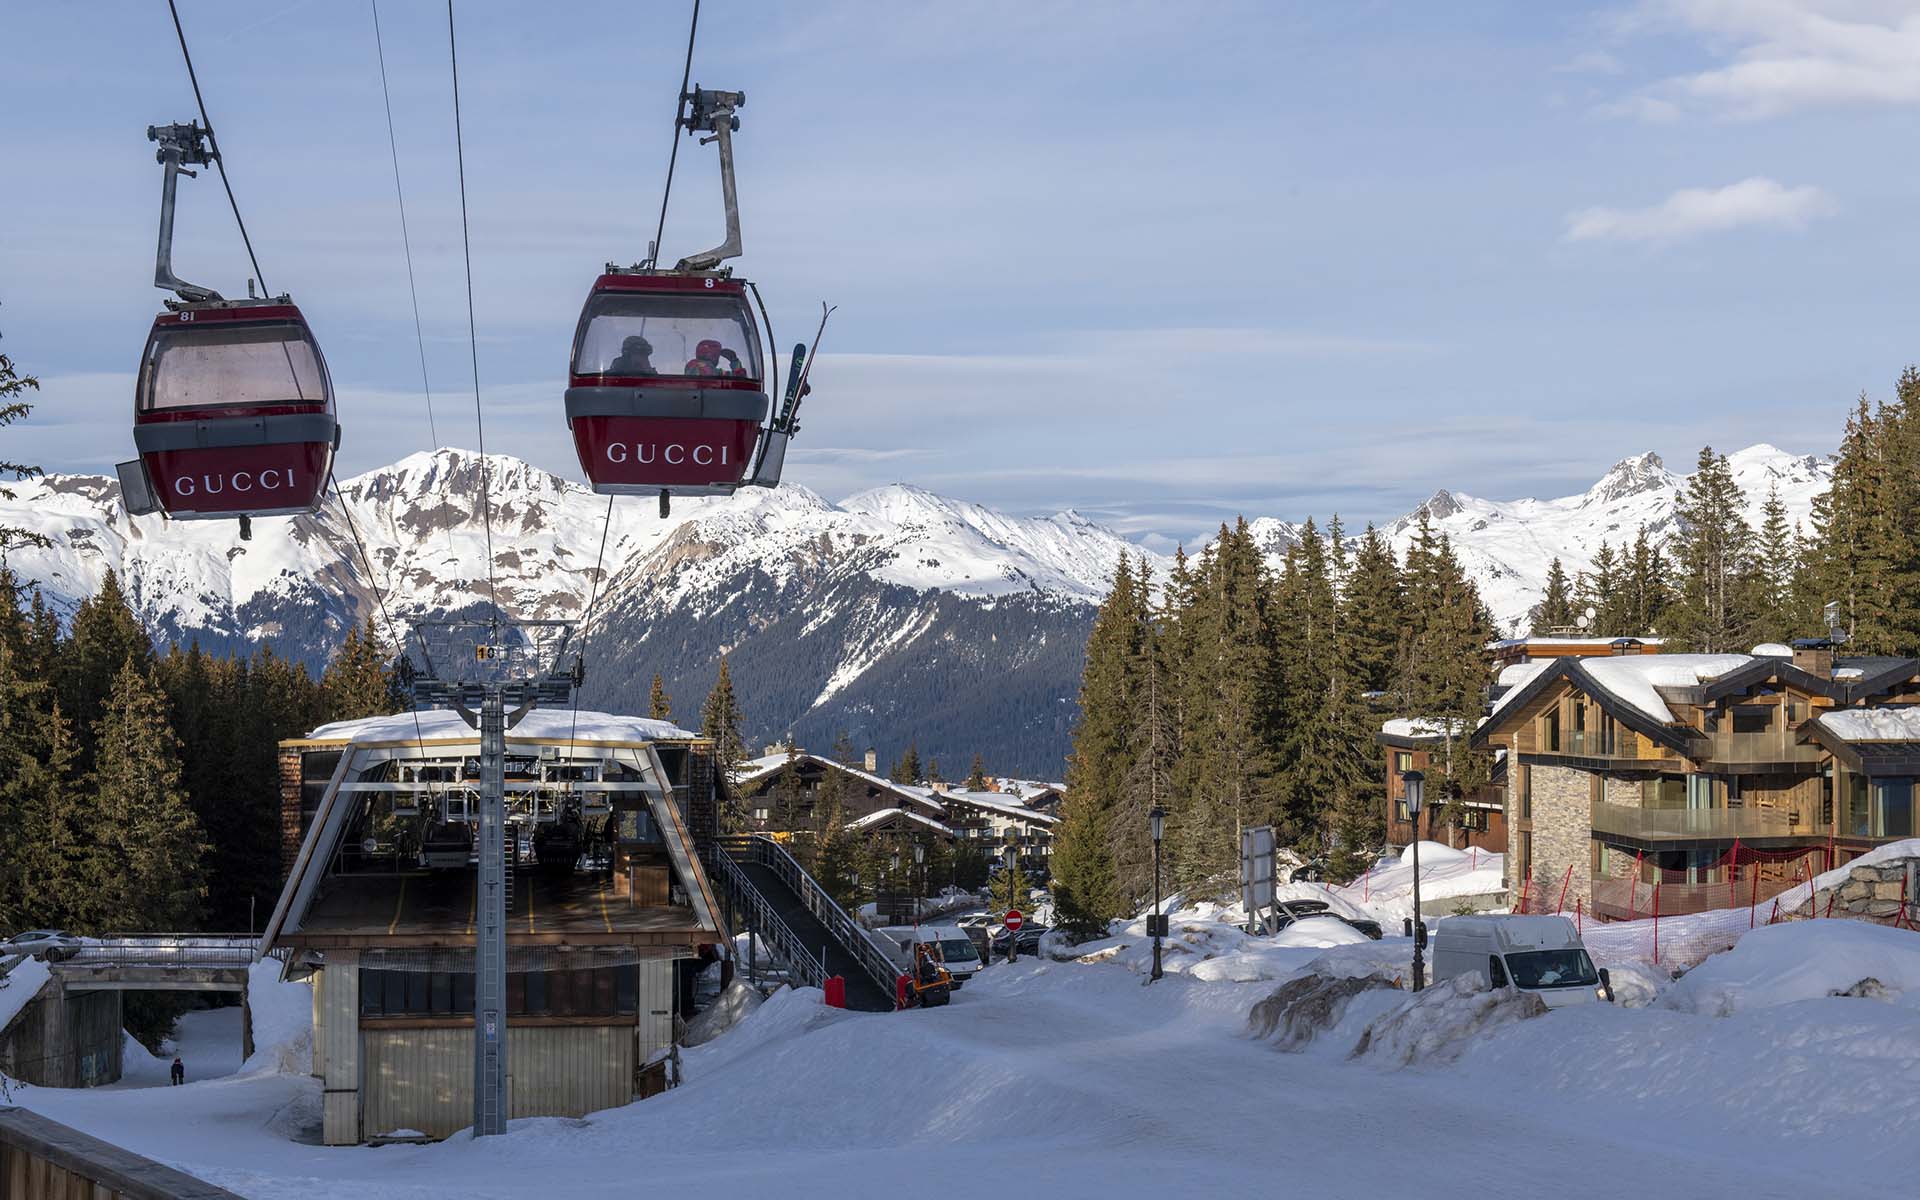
1648,594
977,775
1770,577
659,704
1555,610
907,769
720,721
789,798
1083,860
1601,592
13,407
357,682
29,871
149,850
1442,668
1712,551
1375,612
105,635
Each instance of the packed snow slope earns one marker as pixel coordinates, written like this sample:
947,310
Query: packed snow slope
836,612
1071,1079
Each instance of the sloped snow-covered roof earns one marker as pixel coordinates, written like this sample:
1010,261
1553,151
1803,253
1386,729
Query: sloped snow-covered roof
757,769
1633,678
557,724
996,802
887,814
1873,724
1516,677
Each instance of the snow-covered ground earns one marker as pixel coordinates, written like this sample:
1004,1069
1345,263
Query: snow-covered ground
1073,1079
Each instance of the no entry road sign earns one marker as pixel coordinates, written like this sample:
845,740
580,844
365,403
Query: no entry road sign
1014,920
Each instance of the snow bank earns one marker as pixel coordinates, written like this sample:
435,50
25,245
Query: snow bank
727,1010
1440,1023
1318,933
1802,960
1385,892
282,1022
1302,1008
22,984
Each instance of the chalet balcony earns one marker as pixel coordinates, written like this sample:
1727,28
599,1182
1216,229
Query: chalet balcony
1772,746
1697,824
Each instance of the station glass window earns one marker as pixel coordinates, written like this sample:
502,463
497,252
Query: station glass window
591,992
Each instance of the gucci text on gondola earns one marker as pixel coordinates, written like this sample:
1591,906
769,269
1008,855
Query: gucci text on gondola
672,453
270,480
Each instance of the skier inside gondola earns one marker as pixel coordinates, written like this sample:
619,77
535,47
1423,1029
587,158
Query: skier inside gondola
706,360
635,358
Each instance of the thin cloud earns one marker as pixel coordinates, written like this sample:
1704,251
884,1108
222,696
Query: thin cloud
1694,212
1781,56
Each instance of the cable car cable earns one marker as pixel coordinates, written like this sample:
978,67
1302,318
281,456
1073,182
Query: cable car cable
679,111
406,244
406,241
473,336
213,144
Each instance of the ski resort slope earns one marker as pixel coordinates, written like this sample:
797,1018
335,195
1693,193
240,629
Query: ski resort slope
1074,1080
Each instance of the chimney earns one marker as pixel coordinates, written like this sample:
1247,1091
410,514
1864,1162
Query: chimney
1814,659
872,759
774,748
940,787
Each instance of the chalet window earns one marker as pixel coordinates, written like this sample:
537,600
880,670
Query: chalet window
1752,718
1550,729
1400,810
1857,820
1473,818
1526,792
759,814
1893,808
1402,763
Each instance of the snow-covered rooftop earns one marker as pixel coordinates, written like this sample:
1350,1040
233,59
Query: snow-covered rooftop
1596,640
1421,727
1633,678
558,724
1518,676
756,769
887,814
997,802
1873,724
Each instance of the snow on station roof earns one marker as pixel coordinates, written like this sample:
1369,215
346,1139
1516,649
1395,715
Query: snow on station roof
542,724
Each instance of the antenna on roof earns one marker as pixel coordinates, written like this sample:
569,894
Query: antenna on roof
1830,613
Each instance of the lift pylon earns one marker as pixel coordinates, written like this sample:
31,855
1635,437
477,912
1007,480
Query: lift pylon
478,669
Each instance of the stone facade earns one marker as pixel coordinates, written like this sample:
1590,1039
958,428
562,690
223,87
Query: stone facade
1562,837
1870,893
1624,792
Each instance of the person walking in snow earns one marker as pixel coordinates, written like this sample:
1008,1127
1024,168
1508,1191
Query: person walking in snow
178,1072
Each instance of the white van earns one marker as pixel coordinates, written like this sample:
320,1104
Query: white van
1542,955
948,943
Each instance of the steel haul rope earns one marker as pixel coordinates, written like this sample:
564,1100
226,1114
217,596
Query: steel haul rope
213,144
473,337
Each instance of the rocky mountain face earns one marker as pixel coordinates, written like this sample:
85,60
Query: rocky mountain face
894,615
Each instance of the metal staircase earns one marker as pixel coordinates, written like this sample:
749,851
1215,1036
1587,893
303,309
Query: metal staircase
773,895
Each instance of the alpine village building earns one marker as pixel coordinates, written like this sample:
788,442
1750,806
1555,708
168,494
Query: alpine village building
1693,781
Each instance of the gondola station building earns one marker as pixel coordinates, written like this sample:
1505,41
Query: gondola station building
606,893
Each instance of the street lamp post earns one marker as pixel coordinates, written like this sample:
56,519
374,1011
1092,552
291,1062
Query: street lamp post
1157,924
1416,785
893,871
920,869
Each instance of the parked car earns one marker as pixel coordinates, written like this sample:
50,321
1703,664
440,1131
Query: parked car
1029,942
979,920
50,944
1308,872
1538,954
1289,911
949,944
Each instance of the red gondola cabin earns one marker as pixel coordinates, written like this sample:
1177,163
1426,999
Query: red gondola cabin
233,414
666,391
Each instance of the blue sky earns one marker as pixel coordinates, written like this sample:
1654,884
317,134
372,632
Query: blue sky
1161,263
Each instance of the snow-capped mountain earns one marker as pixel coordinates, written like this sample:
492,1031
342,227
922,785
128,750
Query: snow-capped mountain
833,599
1508,546
895,614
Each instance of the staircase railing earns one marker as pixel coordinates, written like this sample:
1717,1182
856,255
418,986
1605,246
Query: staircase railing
807,968
850,934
